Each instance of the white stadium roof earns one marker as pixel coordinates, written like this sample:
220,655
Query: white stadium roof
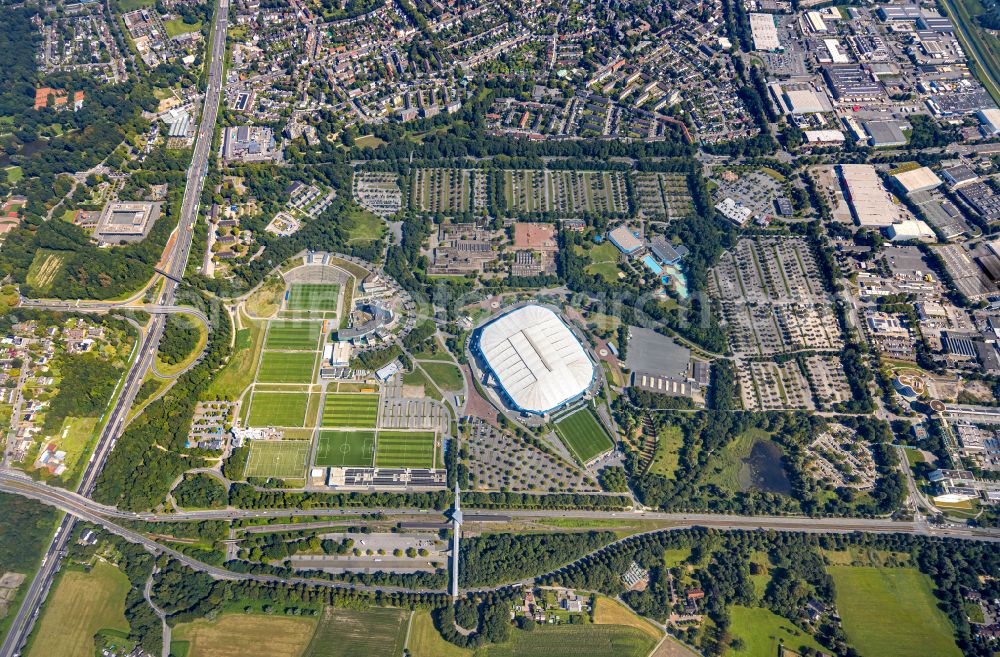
536,359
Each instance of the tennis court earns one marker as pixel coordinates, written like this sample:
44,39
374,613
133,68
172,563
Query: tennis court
313,296
405,449
286,367
350,410
278,409
284,459
301,336
345,449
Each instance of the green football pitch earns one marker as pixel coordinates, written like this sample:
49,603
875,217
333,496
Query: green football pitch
583,435
345,449
405,449
350,410
289,335
313,296
284,459
278,409
285,367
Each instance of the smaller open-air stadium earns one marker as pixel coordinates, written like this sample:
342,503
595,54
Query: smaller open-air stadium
583,435
286,367
405,449
356,410
343,449
293,336
281,459
313,297
278,409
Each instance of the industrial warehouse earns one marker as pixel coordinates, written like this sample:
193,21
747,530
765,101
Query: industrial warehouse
537,363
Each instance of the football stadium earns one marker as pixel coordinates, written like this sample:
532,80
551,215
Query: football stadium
537,363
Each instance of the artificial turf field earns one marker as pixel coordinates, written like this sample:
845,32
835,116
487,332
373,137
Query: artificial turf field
292,335
350,410
278,409
405,449
341,449
313,296
583,435
284,459
285,367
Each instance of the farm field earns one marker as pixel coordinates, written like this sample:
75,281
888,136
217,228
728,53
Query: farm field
82,604
373,632
301,336
345,448
445,375
608,611
892,612
574,641
583,435
350,410
284,459
425,641
278,409
243,635
763,631
405,449
313,296
285,367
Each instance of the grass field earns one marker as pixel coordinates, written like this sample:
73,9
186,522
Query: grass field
14,174
611,612
603,261
301,336
892,612
73,437
313,296
81,605
668,451
284,459
278,409
238,373
426,641
350,410
345,448
574,641
418,378
244,635
44,268
178,26
583,435
445,375
763,631
405,449
373,632
285,367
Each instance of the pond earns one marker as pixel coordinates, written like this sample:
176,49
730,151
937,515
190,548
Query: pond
30,148
762,469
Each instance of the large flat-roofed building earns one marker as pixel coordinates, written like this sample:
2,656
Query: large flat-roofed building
916,180
248,143
870,202
885,133
126,221
852,83
626,240
765,32
537,363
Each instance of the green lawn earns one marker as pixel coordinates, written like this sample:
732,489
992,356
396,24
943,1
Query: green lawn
284,459
445,375
372,632
238,372
574,641
892,612
363,226
763,631
345,448
583,435
278,409
405,449
286,367
14,174
350,410
313,296
74,436
603,261
293,335
178,26
668,451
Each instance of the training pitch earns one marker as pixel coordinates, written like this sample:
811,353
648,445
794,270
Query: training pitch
301,336
278,409
405,449
583,435
284,459
350,410
284,367
313,296
341,449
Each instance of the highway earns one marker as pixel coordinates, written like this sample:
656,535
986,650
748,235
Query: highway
177,260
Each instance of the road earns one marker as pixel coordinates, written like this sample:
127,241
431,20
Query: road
24,620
